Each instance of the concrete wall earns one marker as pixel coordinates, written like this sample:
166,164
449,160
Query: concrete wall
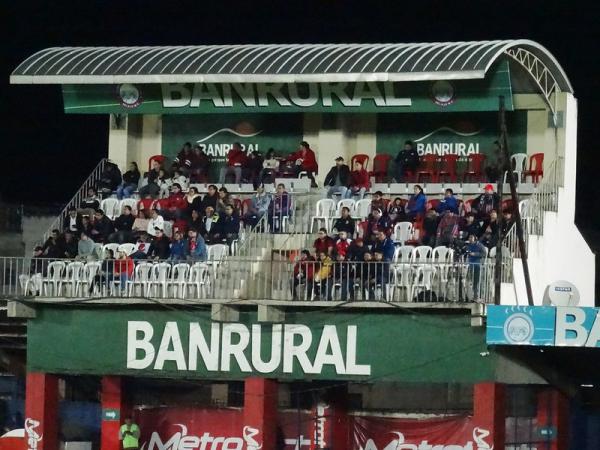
139,138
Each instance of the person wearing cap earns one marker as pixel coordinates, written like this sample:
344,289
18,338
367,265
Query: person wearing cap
338,179
485,203
156,222
416,203
236,159
160,247
359,182
448,203
129,434
304,160
345,223
407,159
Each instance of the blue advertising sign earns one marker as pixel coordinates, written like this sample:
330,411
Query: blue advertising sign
543,326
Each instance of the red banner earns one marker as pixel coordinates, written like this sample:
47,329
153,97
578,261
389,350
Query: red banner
452,433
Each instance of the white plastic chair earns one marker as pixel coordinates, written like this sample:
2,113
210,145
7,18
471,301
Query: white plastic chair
160,278
198,279
113,247
349,203
90,270
128,248
362,208
73,275
401,279
141,278
54,276
421,254
519,161
506,254
110,207
324,212
422,281
179,278
217,252
402,253
403,232
442,258
131,202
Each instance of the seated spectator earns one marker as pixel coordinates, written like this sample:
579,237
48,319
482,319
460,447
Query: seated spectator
303,274
223,199
323,243
489,230
200,165
323,276
180,179
345,223
252,168
150,186
377,222
259,205
156,222
106,273
164,183
485,203
305,161
364,272
342,243
193,200
141,247
270,167
180,225
195,222
338,179
430,228
475,253
131,179
102,227
377,201
178,248
507,221
407,159
86,225
448,203
470,226
195,247
110,178
160,246
343,276
69,245
279,208
230,225
74,221
379,277
124,267
397,213
140,224
90,203
123,226
357,250
236,159
211,226
85,247
384,245
146,205
175,205
184,158
416,204
359,182
211,198
448,229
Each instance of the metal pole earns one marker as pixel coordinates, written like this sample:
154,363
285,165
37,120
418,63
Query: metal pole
515,204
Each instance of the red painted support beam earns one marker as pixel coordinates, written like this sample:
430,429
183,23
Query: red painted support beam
260,412
553,415
489,413
41,411
112,413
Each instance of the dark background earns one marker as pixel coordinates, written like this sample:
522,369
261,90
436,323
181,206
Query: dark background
47,154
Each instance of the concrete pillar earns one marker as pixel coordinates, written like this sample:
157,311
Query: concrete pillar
489,412
553,419
260,412
112,413
118,130
41,411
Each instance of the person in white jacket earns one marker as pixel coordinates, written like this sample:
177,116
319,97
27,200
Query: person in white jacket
156,221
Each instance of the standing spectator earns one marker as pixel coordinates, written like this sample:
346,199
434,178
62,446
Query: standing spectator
156,222
73,222
507,221
85,247
123,226
303,274
259,205
305,161
69,245
110,178
124,267
211,226
200,165
364,271
475,253
397,211
448,203
129,433
230,226
384,245
338,179
196,247
345,223
236,159
416,204
184,158
407,159
448,229
485,203
323,243
131,179
492,171
31,283
178,248
379,276
252,168
90,203
279,208
86,225
160,246
359,182
270,166
102,227
342,275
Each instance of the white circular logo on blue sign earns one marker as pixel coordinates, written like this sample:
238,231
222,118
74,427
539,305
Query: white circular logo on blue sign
518,328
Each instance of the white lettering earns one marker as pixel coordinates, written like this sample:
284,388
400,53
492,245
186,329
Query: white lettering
210,357
570,321
206,91
351,367
170,338
275,361
175,95
390,96
329,339
134,344
370,90
338,89
305,102
291,350
274,90
594,336
230,349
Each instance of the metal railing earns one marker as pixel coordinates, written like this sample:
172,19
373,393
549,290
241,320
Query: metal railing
276,278
76,199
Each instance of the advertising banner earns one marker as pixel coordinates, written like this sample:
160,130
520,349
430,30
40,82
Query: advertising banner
320,345
363,97
454,433
543,326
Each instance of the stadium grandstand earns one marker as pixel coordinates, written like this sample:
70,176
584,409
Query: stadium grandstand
334,200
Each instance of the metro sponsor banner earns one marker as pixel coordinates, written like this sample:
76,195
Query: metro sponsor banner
563,326
453,433
363,96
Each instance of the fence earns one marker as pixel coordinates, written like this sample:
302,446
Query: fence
237,278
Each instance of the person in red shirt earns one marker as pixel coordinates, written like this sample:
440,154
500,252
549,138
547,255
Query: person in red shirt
305,161
236,159
359,182
342,244
174,205
123,270
323,244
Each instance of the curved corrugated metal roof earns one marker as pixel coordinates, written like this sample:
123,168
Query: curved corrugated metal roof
289,63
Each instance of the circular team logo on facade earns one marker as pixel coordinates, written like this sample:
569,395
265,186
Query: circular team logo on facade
442,93
519,329
129,95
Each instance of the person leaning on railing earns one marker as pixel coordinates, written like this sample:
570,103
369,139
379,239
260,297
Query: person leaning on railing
304,270
475,254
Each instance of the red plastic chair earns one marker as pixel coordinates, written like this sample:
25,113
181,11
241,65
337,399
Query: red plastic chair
380,167
361,158
432,204
246,203
448,169
237,204
474,168
429,168
536,168
159,158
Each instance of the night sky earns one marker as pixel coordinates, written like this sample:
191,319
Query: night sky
47,154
